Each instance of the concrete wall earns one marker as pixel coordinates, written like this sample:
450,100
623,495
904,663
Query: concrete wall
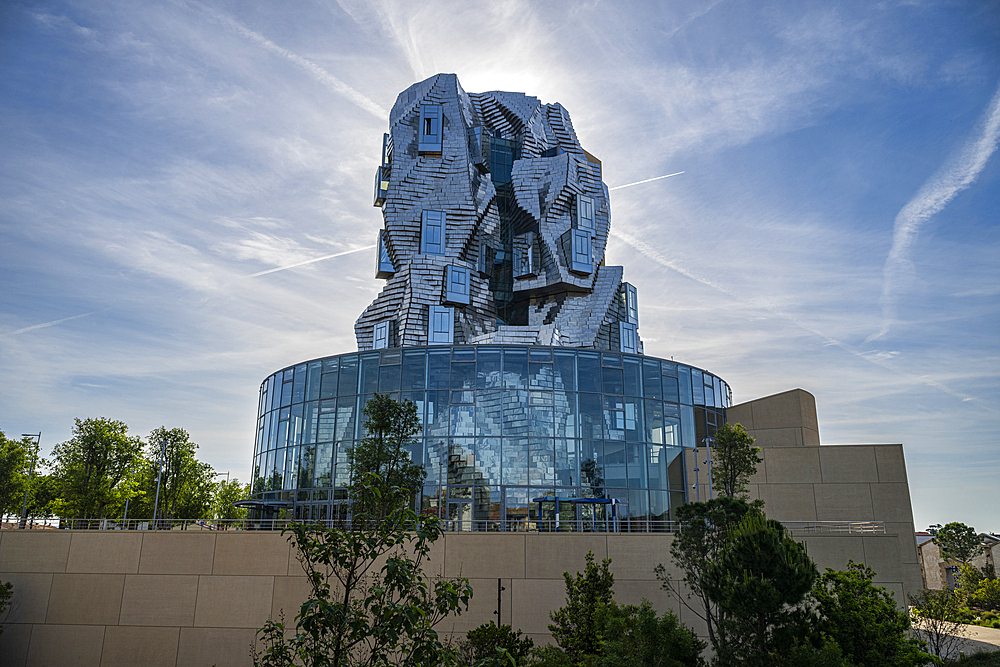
196,598
800,480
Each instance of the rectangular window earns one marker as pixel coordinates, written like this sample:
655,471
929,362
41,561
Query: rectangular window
484,263
381,185
456,285
585,213
630,299
580,257
386,150
432,232
430,128
525,261
383,265
629,339
381,340
441,325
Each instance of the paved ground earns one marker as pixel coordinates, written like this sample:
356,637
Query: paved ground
978,639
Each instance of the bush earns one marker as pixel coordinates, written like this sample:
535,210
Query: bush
486,641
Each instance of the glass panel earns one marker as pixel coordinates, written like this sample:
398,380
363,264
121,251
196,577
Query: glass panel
439,369
540,376
633,377
654,421
463,375
488,412
282,438
274,389
313,375
614,418
567,463
614,383
675,468
671,431
286,394
488,461
343,469
718,392
299,386
295,425
564,414
435,458
438,416
687,426
651,387
459,397
698,386
307,460
614,464
514,413
388,379
331,365
360,431
414,369
329,385
541,464
461,462
638,509
346,416
514,460
634,431
592,468
417,398
292,468
591,416
324,464
670,392
488,374
612,360
565,370
659,511
348,376
463,420
637,455
311,422
589,371
657,467
516,507
515,369
369,373
540,422
684,380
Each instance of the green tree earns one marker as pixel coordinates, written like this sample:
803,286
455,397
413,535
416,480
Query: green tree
6,596
576,627
490,642
370,601
186,484
16,457
225,494
958,542
700,541
734,460
759,583
864,620
938,618
89,467
636,637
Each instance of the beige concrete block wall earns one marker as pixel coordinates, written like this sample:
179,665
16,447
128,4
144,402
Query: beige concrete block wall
185,598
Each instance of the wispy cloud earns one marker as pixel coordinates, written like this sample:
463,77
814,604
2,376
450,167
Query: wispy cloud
956,175
648,180
310,261
320,74
52,323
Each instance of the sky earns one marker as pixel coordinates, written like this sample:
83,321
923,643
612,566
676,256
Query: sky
185,201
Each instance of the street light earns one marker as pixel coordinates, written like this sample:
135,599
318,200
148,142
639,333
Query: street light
159,476
31,475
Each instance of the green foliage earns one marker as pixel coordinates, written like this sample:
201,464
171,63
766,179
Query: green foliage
957,541
370,601
390,426
864,620
6,594
703,535
805,654
16,457
489,642
636,637
938,617
734,460
979,587
760,579
89,467
576,627
186,484
226,493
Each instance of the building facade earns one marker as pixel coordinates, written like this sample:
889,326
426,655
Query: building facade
501,320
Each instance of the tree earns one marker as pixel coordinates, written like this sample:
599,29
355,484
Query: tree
88,467
939,621
958,542
489,641
759,582
637,637
6,595
16,457
576,627
864,619
370,602
225,494
186,484
700,541
734,460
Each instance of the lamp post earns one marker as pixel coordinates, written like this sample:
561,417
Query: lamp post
708,462
31,475
697,487
159,476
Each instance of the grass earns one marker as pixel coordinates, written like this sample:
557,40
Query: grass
986,659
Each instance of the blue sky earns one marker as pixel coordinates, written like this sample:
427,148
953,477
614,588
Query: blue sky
835,227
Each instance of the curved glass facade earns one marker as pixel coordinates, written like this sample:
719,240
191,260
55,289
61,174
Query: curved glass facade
502,426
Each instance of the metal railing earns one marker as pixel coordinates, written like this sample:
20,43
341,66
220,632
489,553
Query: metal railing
449,525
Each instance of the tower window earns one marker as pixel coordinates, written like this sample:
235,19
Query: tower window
628,337
432,232
441,325
585,213
381,338
430,128
456,285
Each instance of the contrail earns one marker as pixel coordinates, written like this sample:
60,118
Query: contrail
648,180
52,323
308,261
955,175
321,75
